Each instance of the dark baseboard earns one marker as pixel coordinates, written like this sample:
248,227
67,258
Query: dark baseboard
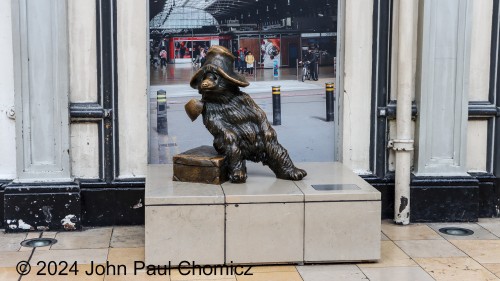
112,206
438,199
1,204
45,206
48,206
93,204
489,195
444,199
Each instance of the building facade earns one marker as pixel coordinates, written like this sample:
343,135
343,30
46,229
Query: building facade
74,109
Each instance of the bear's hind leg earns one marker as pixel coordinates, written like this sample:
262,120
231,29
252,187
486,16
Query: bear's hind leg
280,162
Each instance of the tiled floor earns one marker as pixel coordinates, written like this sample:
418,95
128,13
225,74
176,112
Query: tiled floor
415,252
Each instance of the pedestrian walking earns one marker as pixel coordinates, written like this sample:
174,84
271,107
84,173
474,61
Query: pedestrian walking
163,57
203,55
312,57
249,59
241,59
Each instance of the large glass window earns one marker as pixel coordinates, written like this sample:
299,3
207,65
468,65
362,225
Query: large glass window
278,34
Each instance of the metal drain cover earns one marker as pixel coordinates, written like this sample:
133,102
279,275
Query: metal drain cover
38,242
456,231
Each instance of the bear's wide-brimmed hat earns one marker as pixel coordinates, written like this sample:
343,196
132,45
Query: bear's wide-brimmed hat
219,60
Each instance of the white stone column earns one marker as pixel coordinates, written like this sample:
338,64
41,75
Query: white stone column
132,54
41,72
442,87
355,96
7,112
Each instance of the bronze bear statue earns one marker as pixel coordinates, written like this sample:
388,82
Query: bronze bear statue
239,126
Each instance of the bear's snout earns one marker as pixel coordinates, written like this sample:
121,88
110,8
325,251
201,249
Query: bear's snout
207,84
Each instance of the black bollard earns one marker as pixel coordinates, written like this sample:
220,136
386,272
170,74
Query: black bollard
161,112
330,89
276,105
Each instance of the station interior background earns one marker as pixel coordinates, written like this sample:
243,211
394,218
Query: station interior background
278,33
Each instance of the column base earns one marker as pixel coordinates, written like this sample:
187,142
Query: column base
444,199
42,207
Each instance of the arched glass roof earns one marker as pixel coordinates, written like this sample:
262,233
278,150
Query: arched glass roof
179,18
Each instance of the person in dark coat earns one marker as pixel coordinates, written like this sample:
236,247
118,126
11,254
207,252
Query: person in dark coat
312,57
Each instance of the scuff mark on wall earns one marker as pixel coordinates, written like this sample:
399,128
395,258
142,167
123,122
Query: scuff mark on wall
404,203
138,205
46,212
69,222
23,225
12,224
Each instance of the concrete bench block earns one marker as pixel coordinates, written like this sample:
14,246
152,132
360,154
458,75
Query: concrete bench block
184,221
185,233
264,219
342,215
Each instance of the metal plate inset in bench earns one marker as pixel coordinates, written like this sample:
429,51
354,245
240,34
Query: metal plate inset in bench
335,187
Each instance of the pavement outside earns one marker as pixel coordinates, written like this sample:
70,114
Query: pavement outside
416,252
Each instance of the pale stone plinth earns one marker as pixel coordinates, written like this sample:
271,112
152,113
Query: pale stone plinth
184,221
331,216
343,223
264,219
